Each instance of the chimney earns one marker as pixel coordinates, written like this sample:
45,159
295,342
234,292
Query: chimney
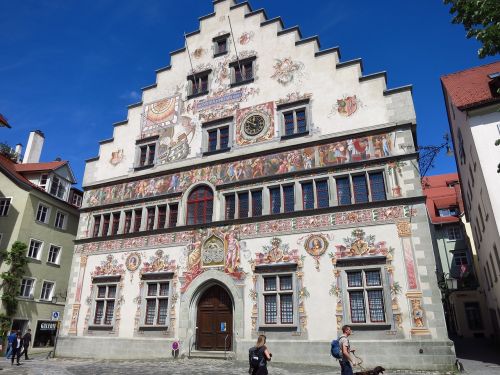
34,147
19,149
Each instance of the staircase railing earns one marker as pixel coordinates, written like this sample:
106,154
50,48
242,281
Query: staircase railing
225,346
190,343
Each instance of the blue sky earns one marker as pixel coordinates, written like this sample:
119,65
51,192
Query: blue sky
70,68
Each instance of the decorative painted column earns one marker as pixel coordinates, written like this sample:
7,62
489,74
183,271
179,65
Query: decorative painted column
414,294
78,296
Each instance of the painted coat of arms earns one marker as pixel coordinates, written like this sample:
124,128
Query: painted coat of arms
346,106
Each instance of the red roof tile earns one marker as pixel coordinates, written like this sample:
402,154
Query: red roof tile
469,88
440,195
10,167
36,167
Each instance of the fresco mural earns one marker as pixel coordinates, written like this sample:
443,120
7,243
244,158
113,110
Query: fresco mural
116,157
255,124
174,142
108,267
287,71
198,53
315,245
347,151
294,97
246,37
279,253
346,106
160,114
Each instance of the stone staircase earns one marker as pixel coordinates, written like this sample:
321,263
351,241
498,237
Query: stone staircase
212,354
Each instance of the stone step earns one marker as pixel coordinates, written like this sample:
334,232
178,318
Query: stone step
212,354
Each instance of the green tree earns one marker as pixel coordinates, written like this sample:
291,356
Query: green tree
481,19
11,280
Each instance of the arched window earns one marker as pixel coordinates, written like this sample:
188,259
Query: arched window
200,206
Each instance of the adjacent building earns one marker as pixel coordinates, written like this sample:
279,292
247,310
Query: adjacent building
262,185
39,207
463,298
472,101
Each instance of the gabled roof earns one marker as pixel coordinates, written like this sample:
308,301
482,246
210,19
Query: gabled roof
40,167
3,121
471,88
440,195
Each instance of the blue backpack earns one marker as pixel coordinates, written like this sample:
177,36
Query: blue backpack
335,350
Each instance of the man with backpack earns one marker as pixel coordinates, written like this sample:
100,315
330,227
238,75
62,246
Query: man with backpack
341,349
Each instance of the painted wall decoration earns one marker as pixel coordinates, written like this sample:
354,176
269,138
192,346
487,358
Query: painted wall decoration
108,267
246,37
133,261
346,106
174,142
360,244
218,247
277,252
315,245
395,171
294,97
313,223
198,53
159,262
160,114
116,157
288,71
255,124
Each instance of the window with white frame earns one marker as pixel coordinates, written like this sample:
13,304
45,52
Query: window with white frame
242,71
294,120
57,187
156,299
43,213
76,200
454,233
27,286
278,299
47,291
44,179
146,154
104,305
217,136
61,219
54,253
365,291
4,206
198,84
35,249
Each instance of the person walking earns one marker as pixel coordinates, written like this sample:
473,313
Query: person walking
10,340
17,346
347,360
258,357
26,343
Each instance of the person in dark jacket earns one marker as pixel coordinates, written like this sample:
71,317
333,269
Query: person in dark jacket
26,343
261,352
10,340
17,346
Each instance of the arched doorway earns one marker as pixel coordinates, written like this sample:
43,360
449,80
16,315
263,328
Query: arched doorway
214,320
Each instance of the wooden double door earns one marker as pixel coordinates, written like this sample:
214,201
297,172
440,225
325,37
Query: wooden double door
214,320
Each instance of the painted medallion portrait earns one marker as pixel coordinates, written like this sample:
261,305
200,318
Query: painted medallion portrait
133,261
316,245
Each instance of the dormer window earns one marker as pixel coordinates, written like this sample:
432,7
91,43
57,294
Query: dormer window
242,71
44,178
198,84
57,187
221,45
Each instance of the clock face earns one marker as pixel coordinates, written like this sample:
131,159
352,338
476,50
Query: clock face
254,124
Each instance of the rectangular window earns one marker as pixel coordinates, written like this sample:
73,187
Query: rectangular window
360,189
115,223
217,138
460,258
230,206
486,277
275,197
242,72
279,301
495,250
162,216
54,252
156,303
493,268
57,187
60,220
128,222
288,198
198,84
150,222
256,203
243,204
147,154
454,233
471,175
295,122
220,46
366,296
479,230
137,220
343,190
377,186
97,224
35,249
322,196
307,195
451,211
473,315
44,178
105,225
27,288
490,276
43,213
4,206
105,304
47,289
481,217
76,200
172,216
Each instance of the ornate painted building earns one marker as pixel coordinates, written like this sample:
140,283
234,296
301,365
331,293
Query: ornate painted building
260,186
